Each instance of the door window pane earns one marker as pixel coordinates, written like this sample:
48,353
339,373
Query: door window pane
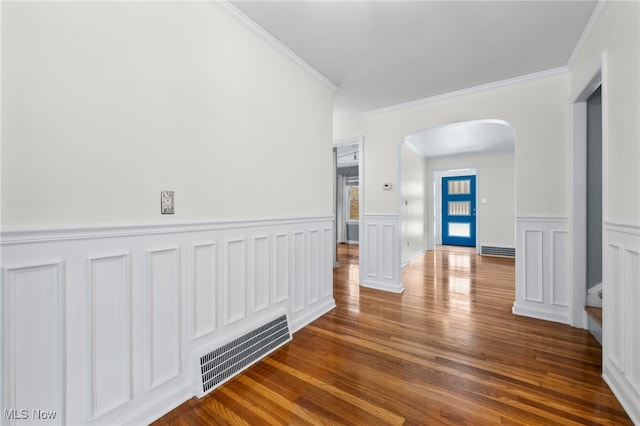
459,230
460,187
459,208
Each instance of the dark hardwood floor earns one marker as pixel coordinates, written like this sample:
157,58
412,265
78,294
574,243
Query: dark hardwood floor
446,351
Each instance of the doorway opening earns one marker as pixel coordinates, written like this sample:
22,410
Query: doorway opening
348,192
589,152
484,152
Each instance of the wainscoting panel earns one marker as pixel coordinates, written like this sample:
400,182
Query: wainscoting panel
534,291
615,310
299,285
559,268
102,325
163,281
34,339
315,266
260,274
327,262
281,268
235,281
621,315
381,267
542,268
205,276
110,325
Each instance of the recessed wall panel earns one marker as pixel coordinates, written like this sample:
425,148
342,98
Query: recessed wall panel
388,244
632,288
164,315
372,250
110,294
613,334
281,272
533,266
560,268
205,281
34,339
299,279
327,262
315,262
235,283
261,273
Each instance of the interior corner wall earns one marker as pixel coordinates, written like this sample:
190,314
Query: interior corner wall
537,111
495,220
413,212
105,104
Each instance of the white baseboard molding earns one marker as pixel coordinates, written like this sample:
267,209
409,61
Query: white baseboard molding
384,286
542,313
405,262
157,407
628,397
312,314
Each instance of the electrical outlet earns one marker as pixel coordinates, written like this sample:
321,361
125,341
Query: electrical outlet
166,202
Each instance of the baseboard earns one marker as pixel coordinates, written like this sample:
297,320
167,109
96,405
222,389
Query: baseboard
414,257
628,398
393,288
158,407
541,313
312,315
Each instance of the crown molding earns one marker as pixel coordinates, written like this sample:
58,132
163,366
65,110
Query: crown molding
598,11
274,42
457,93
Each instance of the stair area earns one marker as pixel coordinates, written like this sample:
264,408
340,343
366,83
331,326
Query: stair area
595,321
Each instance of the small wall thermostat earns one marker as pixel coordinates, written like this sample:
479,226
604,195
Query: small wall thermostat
386,186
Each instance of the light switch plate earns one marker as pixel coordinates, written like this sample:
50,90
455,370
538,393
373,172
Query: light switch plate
166,202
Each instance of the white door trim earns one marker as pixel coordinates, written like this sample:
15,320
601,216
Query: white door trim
577,216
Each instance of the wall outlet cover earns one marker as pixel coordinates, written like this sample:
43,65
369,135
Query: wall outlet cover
166,202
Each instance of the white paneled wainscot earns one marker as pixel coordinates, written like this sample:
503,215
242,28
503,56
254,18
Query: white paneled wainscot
621,315
542,268
102,325
380,264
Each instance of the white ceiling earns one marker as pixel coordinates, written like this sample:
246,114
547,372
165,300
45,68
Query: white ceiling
384,53
463,138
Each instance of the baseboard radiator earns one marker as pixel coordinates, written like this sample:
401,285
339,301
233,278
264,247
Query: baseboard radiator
226,361
498,251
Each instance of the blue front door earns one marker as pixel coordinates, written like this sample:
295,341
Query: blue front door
459,211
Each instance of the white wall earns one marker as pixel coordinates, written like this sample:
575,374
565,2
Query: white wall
495,182
617,35
537,111
106,104
413,196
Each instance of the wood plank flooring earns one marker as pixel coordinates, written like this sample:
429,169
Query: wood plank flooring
446,351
